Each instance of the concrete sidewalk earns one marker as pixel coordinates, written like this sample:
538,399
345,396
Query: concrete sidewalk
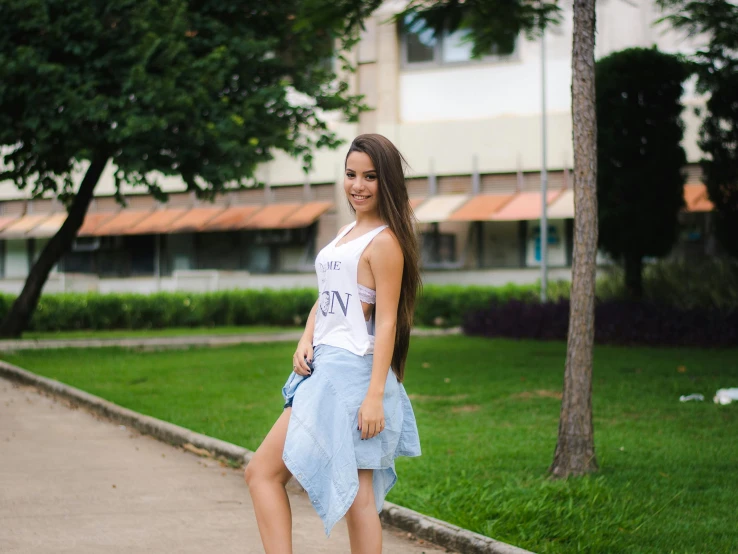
214,339
73,482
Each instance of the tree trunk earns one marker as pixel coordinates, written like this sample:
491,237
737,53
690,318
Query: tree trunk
17,319
575,454
634,276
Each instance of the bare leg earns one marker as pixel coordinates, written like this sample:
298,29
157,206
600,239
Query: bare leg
266,476
364,527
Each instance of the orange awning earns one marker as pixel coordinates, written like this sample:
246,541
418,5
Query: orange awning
480,207
48,227
158,222
6,220
231,219
305,215
271,216
196,219
121,223
696,199
524,206
20,227
93,221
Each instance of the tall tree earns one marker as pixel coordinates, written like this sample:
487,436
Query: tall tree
714,24
206,90
639,156
494,22
575,452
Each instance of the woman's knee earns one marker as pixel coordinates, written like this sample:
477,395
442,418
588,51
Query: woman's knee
249,473
260,469
365,496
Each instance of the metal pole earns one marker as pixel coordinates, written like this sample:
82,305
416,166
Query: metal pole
544,176
157,260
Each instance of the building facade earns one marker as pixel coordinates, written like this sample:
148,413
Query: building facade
470,130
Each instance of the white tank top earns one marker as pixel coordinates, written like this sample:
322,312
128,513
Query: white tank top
339,320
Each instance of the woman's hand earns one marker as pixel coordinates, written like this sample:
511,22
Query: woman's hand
304,350
371,417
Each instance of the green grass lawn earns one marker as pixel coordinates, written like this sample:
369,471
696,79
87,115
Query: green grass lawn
146,333
488,414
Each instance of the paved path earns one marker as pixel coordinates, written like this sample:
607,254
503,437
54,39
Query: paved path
71,482
181,341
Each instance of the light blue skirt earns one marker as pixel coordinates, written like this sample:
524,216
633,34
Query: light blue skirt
323,448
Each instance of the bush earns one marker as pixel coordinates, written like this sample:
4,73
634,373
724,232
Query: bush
438,305
71,311
445,305
711,283
616,322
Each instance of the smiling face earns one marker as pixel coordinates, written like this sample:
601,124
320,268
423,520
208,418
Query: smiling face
360,183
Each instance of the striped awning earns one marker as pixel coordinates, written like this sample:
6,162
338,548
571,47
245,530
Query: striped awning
271,216
524,206
157,222
696,198
6,220
415,202
196,219
305,215
120,224
562,207
21,226
93,221
232,219
439,208
480,207
48,227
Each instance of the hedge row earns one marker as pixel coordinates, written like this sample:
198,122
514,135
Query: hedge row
616,322
437,306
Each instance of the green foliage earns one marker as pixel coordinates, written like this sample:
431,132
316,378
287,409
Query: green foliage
640,157
445,305
487,412
714,24
713,284
490,24
70,311
203,90
685,285
438,306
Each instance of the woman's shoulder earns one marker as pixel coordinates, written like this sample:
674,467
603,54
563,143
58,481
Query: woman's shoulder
386,242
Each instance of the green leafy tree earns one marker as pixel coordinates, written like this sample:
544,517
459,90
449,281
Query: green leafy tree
640,185
714,23
205,90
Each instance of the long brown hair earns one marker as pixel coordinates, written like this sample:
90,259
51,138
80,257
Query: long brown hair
394,209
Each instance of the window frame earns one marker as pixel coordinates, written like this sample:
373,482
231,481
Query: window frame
438,63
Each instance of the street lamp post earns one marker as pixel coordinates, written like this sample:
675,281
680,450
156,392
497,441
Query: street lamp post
544,176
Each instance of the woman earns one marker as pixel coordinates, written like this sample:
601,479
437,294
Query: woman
347,416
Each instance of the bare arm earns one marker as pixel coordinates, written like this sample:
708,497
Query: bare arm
305,345
386,261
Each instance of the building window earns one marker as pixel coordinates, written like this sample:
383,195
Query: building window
437,249
422,48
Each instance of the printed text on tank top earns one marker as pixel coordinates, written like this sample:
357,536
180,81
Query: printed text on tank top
345,315
367,295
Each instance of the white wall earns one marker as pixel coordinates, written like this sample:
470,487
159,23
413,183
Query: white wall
16,259
493,108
